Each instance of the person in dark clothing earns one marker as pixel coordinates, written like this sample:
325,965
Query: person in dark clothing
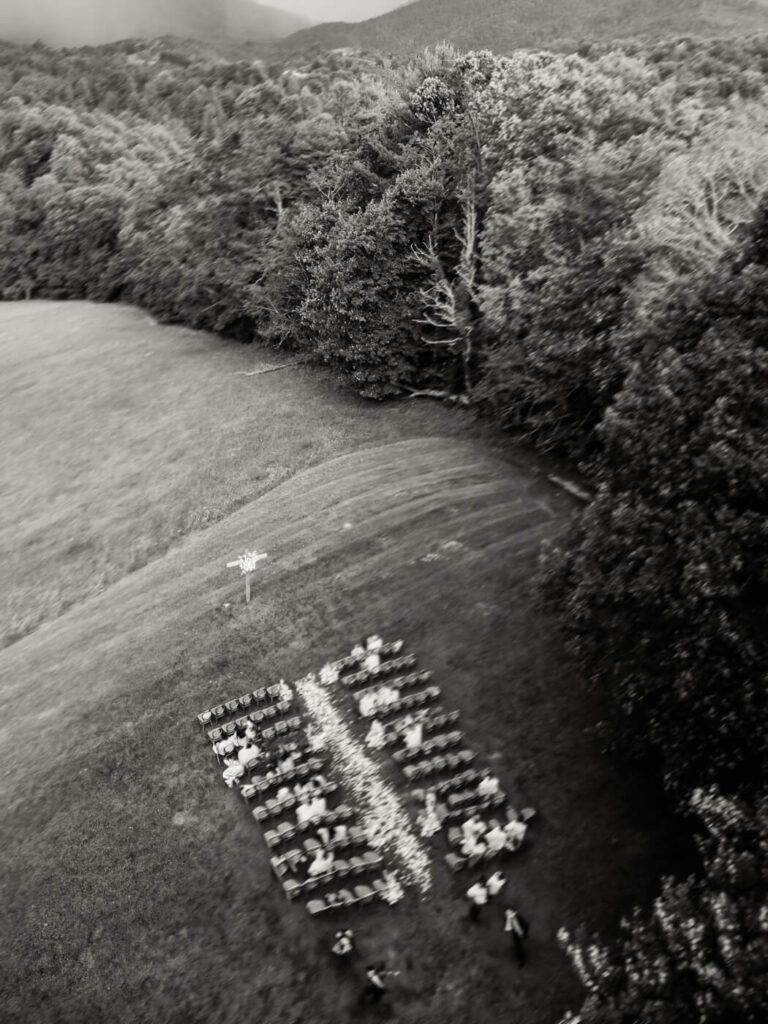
374,987
518,928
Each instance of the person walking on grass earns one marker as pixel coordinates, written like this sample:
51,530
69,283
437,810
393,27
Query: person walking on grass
518,928
374,982
478,897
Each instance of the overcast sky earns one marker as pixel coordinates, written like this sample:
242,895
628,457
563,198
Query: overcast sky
335,10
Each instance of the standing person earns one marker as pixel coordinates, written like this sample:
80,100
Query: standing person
495,883
478,897
517,926
374,987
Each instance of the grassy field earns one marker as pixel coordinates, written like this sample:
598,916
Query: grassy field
135,887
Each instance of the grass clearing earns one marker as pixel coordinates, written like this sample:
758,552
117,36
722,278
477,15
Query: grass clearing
135,885
121,437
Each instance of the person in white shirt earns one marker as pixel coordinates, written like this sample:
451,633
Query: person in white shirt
233,771
374,643
246,754
496,883
473,848
376,735
368,704
488,785
414,737
318,807
284,793
322,863
473,827
250,732
478,897
371,661
515,833
358,651
303,813
496,839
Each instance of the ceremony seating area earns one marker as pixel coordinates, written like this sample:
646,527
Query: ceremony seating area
311,854
318,848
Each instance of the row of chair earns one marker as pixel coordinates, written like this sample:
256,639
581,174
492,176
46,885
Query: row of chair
348,898
342,664
370,860
430,722
429,747
439,763
399,683
384,668
288,830
274,808
409,702
480,806
261,785
262,695
462,780
257,717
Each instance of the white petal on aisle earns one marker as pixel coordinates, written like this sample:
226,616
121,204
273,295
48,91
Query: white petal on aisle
386,822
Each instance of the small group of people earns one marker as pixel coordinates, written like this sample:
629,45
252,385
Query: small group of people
375,974
374,702
312,808
479,838
515,925
368,652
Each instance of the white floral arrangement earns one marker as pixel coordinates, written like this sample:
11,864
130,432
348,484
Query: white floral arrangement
387,824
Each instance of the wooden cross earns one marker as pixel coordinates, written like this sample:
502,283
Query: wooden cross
246,563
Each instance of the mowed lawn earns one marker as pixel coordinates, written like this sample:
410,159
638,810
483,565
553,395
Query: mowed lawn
120,437
135,886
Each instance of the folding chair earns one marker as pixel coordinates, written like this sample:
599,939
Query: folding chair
232,706
286,831
214,735
291,888
245,701
269,711
256,717
310,884
311,845
348,897
364,894
357,865
260,695
371,859
279,867
205,718
341,868
219,712
281,728
380,887
315,907
241,723
272,838
260,813
455,836
455,862
268,734
357,835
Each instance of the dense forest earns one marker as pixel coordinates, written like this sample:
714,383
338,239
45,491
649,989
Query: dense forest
575,246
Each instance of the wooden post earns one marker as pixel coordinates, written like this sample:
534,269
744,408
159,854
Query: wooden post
247,588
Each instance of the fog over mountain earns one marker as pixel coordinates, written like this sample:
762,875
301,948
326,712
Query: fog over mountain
505,25
90,22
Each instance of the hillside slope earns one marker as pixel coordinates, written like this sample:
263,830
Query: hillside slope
92,22
505,25
161,880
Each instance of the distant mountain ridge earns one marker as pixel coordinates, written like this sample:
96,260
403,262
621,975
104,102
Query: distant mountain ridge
93,22
506,25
